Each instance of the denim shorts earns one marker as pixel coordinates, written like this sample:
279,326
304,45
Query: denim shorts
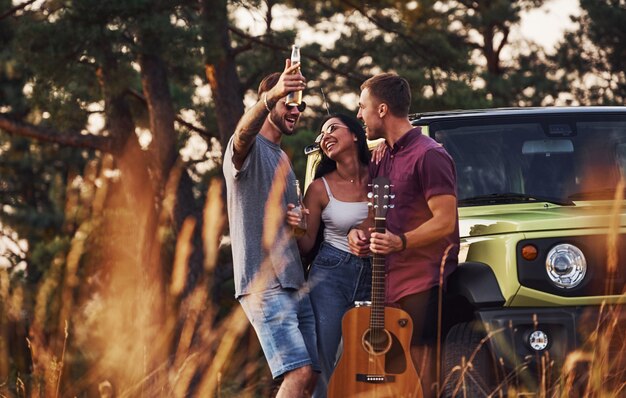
284,323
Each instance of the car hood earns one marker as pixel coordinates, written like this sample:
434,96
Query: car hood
503,219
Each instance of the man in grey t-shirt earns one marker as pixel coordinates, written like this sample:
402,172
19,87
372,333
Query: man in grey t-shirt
269,280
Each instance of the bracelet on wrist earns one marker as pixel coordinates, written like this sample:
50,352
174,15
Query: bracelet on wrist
403,239
265,102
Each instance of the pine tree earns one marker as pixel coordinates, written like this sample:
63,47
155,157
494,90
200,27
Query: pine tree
593,56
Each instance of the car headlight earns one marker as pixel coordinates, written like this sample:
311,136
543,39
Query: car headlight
566,265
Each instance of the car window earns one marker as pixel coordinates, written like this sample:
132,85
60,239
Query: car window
557,158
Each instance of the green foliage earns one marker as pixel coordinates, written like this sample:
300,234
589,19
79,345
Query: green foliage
486,27
594,55
13,74
258,62
388,36
34,180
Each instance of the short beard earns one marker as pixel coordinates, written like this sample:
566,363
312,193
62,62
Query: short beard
371,136
278,121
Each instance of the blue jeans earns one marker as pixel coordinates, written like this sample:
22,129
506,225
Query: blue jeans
337,279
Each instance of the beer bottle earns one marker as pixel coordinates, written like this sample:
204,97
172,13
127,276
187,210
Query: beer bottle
300,229
295,98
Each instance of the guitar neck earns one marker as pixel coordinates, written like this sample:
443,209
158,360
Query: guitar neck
377,319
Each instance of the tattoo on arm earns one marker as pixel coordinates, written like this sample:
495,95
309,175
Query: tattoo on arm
247,130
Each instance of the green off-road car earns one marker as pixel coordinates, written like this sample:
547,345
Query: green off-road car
541,267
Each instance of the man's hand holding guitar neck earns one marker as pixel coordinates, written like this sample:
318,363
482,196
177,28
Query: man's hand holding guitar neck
443,209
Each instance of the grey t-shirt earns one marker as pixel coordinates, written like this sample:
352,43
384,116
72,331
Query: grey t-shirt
258,268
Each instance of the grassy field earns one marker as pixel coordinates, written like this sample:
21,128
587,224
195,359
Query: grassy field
115,317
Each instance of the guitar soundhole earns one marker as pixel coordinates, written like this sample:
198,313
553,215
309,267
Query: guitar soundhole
376,342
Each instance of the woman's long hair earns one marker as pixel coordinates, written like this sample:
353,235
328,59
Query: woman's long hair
327,164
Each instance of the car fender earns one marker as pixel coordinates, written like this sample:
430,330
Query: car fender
477,283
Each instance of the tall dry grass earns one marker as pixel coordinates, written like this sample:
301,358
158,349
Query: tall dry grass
114,317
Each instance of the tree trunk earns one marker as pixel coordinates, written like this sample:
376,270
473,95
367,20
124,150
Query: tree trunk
220,68
162,116
119,118
491,55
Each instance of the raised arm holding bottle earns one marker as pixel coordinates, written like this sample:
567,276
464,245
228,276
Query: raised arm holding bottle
269,281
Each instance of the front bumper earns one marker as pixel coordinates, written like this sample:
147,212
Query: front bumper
567,328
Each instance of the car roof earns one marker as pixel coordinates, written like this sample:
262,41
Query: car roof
416,118
425,118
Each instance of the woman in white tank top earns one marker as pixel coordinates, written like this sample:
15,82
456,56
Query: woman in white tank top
336,199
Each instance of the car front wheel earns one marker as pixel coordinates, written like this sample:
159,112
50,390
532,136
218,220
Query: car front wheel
469,368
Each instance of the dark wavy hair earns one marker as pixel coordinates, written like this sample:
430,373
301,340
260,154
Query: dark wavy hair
327,164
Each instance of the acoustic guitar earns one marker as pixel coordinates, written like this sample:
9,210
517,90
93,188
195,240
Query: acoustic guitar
376,359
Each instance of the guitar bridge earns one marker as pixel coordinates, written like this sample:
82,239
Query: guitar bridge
375,379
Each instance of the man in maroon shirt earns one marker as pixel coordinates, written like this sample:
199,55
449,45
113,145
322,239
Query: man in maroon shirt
422,228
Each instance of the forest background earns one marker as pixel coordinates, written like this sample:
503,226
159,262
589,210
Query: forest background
115,271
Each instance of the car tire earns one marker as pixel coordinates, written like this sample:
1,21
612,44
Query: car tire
479,378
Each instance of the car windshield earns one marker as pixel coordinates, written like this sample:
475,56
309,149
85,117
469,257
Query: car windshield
560,158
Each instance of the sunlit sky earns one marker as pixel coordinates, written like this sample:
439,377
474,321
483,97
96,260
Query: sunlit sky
546,24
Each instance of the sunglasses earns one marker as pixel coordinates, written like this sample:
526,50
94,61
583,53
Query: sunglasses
329,130
300,107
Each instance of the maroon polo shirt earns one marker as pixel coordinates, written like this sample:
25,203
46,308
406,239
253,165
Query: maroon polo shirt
419,168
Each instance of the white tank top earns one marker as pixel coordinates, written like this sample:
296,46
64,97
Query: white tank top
339,217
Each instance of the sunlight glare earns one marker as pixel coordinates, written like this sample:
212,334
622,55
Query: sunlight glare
144,136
